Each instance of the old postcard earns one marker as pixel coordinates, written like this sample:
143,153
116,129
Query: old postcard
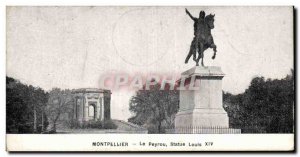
185,78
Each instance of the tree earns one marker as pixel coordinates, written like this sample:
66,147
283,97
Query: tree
231,104
24,107
59,102
154,108
267,106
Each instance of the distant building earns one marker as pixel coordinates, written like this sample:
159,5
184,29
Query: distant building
91,104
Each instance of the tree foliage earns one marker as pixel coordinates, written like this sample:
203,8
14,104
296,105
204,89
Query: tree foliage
155,109
25,107
59,106
267,106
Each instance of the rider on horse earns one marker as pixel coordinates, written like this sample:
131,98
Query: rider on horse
194,44
202,36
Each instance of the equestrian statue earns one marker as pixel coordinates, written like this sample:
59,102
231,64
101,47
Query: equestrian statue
202,37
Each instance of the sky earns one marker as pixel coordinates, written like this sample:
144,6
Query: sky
72,47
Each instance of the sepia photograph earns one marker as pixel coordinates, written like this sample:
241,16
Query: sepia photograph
150,78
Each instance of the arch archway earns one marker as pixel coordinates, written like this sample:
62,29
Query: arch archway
92,111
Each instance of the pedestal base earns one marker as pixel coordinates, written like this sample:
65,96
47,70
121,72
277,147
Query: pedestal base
201,111
205,118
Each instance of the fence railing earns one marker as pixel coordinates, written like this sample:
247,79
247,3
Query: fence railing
202,130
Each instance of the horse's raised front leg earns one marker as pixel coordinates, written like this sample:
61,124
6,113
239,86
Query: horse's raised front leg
214,47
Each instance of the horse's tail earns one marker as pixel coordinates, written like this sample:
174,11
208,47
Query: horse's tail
214,56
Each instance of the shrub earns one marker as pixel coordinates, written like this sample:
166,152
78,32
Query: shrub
107,124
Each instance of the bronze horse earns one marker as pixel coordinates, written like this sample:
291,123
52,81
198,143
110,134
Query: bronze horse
202,37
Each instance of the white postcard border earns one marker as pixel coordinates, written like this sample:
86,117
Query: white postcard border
153,142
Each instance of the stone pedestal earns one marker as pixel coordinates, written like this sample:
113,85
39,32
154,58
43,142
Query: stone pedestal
201,108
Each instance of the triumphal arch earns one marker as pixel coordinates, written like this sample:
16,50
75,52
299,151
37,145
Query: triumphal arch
91,104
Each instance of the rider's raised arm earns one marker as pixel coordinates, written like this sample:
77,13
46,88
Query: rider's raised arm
187,12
